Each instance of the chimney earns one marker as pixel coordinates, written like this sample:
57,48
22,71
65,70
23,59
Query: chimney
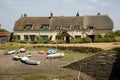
98,13
25,15
77,14
51,15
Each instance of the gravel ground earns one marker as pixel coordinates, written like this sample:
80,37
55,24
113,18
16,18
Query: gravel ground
14,70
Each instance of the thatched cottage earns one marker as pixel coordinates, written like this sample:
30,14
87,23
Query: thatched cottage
27,28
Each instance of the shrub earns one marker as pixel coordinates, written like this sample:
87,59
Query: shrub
22,41
60,42
117,39
78,40
104,40
86,40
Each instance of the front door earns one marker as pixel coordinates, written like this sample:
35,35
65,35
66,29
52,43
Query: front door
67,39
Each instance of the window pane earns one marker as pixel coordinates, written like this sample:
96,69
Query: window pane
44,27
26,37
28,27
32,37
44,37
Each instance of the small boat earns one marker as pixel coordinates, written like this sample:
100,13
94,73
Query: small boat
24,59
16,57
42,51
32,62
56,55
22,50
11,52
51,51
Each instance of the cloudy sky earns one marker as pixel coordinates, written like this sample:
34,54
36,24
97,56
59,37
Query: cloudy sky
11,10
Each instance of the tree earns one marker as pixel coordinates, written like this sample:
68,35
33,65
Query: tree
3,30
117,33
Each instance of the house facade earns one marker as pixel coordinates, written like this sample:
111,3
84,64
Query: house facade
28,28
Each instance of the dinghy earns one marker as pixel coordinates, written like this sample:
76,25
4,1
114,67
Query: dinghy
32,62
51,51
16,57
56,55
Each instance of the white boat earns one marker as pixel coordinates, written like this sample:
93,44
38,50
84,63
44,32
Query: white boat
56,55
32,62
22,50
16,57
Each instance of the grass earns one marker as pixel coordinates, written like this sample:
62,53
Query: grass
72,55
35,77
11,45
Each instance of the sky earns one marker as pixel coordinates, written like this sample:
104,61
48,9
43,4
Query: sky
11,10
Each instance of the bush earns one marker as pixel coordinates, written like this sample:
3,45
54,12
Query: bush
60,42
104,40
86,40
117,39
78,40
21,41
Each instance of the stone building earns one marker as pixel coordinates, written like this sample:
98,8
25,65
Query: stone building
27,28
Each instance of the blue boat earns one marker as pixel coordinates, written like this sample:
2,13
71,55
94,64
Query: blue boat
51,51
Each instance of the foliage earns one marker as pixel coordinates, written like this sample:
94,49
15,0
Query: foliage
37,37
117,33
104,40
63,33
86,40
98,35
3,30
50,38
60,42
117,38
14,37
22,41
109,35
72,40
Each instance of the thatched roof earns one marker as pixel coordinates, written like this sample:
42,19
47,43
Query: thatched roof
99,21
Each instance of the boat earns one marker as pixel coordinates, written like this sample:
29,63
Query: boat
51,51
56,55
32,62
24,59
11,52
22,50
16,57
42,51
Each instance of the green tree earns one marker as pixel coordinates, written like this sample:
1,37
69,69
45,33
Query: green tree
117,33
3,30
110,34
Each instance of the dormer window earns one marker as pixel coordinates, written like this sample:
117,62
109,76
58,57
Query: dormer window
91,27
77,27
44,27
58,28
28,26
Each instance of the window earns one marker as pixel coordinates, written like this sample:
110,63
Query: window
18,37
58,28
26,37
91,27
59,38
77,36
32,37
28,27
77,27
44,37
44,27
